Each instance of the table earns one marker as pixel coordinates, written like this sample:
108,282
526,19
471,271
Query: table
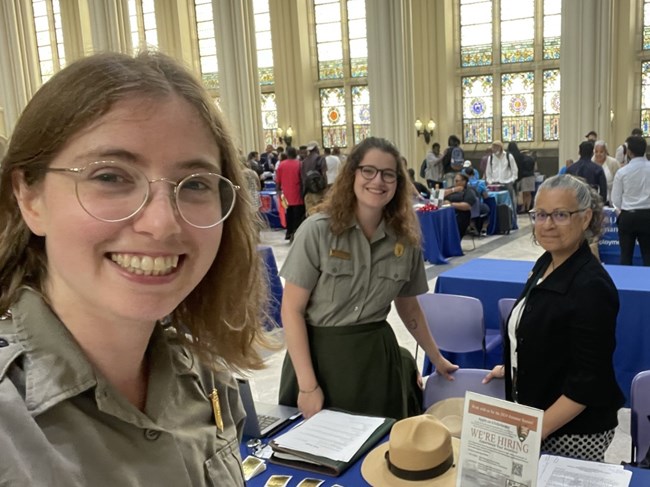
492,279
270,208
352,477
275,286
440,237
608,245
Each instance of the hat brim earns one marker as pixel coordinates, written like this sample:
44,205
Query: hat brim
375,471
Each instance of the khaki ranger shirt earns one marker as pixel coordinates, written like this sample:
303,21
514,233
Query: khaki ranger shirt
62,424
352,280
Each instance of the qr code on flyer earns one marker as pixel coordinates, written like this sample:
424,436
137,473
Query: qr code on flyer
514,483
517,469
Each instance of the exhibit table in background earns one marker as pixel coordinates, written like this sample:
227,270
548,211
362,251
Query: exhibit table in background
609,247
500,198
275,286
439,234
490,280
270,208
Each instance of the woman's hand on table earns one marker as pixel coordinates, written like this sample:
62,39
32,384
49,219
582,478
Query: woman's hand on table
498,372
311,402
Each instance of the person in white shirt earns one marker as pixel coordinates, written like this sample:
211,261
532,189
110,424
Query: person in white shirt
621,149
332,163
502,169
631,198
608,163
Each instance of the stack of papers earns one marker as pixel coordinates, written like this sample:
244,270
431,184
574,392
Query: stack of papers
559,472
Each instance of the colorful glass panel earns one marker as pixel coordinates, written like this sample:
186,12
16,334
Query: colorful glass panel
645,98
360,112
551,129
517,106
333,117
475,32
517,30
646,24
477,109
207,43
552,28
357,42
329,39
263,42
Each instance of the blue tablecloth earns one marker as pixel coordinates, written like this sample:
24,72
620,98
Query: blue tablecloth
608,245
353,478
275,286
501,198
440,235
491,279
269,208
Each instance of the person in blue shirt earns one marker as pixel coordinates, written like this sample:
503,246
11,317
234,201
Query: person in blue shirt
480,187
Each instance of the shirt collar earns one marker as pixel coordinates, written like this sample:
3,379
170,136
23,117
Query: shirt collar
561,278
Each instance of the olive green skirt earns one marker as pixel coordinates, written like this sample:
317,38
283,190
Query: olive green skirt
361,369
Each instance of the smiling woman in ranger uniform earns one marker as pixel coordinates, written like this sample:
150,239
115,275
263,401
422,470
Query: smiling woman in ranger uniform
346,266
122,218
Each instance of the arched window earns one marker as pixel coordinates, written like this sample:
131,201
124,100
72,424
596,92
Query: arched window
342,58
142,19
49,37
509,64
263,43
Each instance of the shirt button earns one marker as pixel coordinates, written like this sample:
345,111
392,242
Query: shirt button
396,275
356,308
3,343
151,435
335,269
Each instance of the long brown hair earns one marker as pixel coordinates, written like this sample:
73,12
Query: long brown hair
223,314
341,202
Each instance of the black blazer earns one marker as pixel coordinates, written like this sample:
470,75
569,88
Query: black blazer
565,342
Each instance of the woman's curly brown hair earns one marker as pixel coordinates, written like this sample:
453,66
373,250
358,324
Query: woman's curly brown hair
341,202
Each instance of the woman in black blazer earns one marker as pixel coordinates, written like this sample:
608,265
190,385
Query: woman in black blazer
561,331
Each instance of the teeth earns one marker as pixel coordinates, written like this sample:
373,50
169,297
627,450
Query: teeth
145,264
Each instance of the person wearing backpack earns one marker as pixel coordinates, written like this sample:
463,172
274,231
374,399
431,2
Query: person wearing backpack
453,159
502,169
313,173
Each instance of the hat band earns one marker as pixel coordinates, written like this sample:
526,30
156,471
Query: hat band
420,474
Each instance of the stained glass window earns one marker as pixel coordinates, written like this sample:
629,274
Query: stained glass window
270,119
357,43
517,106
475,32
142,18
551,104
333,117
207,43
49,37
263,41
645,98
329,38
517,30
646,24
361,112
477,109
552,28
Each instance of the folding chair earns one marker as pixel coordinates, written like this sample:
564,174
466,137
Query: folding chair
505,308
438,387
640,415
456,324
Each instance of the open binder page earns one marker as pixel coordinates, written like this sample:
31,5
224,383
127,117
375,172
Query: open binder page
330,434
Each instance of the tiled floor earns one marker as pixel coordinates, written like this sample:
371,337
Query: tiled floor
516,246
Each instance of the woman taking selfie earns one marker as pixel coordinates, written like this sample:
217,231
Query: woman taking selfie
562,330
129,282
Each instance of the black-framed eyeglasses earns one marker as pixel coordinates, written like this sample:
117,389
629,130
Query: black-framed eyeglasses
369,173
559,217
115,191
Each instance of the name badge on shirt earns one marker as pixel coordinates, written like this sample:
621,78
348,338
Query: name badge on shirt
340,254
399,249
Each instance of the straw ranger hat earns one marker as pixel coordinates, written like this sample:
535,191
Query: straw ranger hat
420,452
450,413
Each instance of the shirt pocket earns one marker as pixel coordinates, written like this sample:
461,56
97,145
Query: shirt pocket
391,279
224,467
339,277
